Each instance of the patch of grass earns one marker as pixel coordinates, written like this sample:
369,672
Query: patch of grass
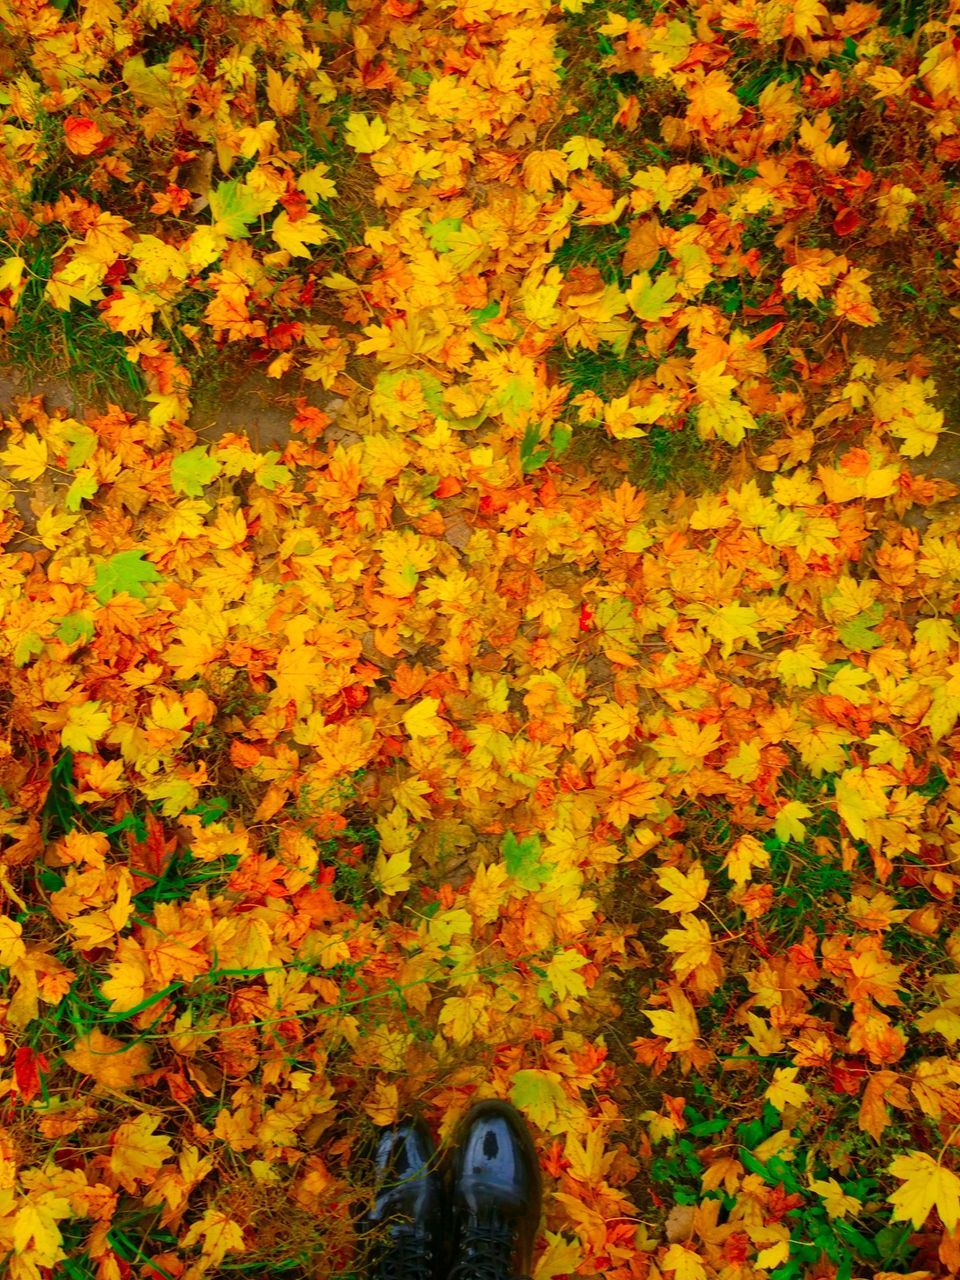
600,247
45,342
603,371
674,461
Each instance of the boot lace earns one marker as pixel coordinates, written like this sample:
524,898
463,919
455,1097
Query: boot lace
486,1252
408,1255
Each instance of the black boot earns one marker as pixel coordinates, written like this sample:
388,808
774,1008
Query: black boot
496,1193
409,1200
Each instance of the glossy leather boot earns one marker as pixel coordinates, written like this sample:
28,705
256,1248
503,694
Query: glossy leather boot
407,1221
496,1194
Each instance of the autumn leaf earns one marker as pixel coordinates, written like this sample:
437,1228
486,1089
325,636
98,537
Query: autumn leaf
107,1060
686,889
925,1185
126,571
539,1095
192,470
217,1234
363,135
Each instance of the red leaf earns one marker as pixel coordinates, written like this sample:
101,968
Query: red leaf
27,1065
846,221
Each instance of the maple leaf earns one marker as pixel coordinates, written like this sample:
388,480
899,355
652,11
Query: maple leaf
523,860
563,977
219,1235
27,461
363,135
234,205
785,1090
86,724
684,1263
861,797
126,571
925,1185
192,470
421,720
686,889
107,1060
82,135
539,1095
296,237
678,1026
789,821
561,1257
692,944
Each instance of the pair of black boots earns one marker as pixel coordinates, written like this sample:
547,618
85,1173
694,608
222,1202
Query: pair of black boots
472,1217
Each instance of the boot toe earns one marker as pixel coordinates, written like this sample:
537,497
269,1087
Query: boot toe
497,1163
406,1176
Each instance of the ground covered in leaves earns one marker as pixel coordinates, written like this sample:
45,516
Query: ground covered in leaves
566,712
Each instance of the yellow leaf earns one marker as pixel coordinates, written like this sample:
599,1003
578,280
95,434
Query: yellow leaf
684,1263
692,944
106,1059
12,946
785,1091
789,823
282,93
861,798
541,169
27,461
137,1152
560,1258
678,1027
836,1202
745,854
463,1017
130,312
581,150
421,720
798,667
744,764
903,408
563,976
383,1106
365,136
127,984
686,890
295,237
86,724
390,873
36,1236
220,1235
926,1185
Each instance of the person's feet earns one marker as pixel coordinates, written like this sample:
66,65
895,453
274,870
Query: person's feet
409,1200
495,1194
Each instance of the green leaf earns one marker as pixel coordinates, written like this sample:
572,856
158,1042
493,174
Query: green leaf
126,571
74,627
271,473
856,634
650,299
439,234
191,471
522,858
560,439
489,312
150,86
84,485
539,1095
27,647
233,205
514,396
83,447
532,456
